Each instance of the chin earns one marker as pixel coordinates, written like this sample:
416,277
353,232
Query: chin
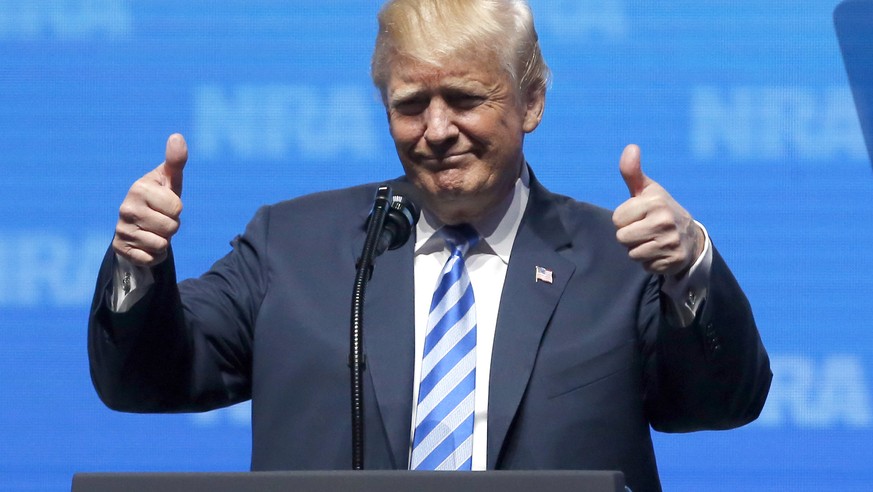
452,197
456,207
444,190
452,181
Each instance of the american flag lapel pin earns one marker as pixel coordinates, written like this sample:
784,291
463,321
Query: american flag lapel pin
544,275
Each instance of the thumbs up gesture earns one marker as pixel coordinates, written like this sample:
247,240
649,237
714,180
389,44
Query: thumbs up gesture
149,215
655,229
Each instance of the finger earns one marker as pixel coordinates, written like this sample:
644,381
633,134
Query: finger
631,170
634,234
645,252
147,219
655,259
632,210
139,249
142,258
175,157
663,266
660,266
165,202
145,193
134,238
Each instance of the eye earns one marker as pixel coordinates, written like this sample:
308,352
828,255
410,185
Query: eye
411,106
464,100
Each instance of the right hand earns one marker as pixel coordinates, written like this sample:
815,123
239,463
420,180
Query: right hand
149,215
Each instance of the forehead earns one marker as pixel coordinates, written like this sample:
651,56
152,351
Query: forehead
464,71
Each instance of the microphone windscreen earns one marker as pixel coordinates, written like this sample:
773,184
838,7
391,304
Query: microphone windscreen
406,199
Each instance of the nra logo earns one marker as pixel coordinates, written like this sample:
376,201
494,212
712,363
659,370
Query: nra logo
49,269
832,392
281,122
765,123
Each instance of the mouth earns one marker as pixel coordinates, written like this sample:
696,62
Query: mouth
450,160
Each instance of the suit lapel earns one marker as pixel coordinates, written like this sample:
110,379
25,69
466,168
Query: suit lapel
526,306
389,345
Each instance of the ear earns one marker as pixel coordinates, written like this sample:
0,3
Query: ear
535,104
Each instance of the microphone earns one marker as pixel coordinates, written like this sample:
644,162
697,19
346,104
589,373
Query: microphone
388,227
402,215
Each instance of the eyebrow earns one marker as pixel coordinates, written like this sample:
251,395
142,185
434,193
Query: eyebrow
404,94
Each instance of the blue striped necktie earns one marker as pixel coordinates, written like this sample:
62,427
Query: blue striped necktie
444,415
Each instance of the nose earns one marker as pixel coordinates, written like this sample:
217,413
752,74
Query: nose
441,130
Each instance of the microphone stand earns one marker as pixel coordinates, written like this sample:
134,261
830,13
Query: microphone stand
357,361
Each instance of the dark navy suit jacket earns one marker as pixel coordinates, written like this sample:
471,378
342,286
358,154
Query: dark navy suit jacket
581,367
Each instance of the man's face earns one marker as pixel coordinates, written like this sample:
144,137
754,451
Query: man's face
459,129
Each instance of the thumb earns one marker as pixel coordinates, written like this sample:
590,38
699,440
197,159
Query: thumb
175,158
631,170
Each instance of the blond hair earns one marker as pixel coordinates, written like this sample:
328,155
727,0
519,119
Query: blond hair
429,31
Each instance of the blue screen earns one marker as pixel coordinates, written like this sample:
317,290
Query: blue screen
742,110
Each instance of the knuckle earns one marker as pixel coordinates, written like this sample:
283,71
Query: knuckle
175,209
121,235
616,219
149,244
670,242
661,265
620,236
160,244
663,218
119,246
128,211
139,188
134,255
140,257
158,258
173,227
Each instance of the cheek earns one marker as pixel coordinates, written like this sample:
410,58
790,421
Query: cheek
404,131
497,128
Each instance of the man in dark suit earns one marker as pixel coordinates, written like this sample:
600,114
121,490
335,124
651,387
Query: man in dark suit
589,326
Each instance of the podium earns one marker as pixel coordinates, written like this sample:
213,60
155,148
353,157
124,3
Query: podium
354,481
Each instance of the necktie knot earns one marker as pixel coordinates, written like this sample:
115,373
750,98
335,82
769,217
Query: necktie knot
460,238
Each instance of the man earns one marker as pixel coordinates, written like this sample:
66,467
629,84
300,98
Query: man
585,327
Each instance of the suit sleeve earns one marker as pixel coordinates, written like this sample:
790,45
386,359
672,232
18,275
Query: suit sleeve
182,347
714,374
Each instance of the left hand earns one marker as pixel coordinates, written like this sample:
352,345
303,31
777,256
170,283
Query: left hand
655,229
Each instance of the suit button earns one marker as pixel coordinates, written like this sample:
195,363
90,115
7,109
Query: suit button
713,343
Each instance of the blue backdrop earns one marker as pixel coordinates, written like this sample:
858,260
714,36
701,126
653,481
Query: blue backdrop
741,107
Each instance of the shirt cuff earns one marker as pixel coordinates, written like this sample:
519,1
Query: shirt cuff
686,295
129,284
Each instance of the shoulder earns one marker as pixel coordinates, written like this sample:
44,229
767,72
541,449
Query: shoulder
577,217
322,216
332,203
581,214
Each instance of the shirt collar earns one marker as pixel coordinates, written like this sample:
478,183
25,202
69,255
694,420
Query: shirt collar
498,229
